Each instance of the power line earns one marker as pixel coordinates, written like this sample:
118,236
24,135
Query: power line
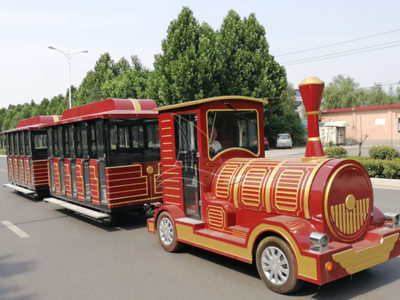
381,84
343,53
338,43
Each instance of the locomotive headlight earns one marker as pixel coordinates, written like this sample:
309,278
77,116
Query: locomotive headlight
319,241
392,220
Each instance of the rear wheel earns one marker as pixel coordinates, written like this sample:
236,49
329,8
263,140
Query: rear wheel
276,265
166,233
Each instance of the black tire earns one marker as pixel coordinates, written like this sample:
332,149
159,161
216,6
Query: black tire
166,233
277,266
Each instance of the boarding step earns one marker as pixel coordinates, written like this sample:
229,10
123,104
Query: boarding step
196,224
79,209
19,189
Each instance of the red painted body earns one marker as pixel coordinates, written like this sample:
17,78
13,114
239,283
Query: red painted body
125,186
27,170
244,197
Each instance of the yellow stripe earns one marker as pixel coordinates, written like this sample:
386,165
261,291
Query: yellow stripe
313,139
136,104
314,112
307,266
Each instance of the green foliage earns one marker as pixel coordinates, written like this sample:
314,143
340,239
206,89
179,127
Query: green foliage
374,167
379,168
342,92
336,152
391,169
383,152
285,119
187,68
130,83
345,92
90,89
3,151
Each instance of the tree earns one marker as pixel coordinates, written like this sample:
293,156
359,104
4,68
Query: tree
342,92
286,119
377,96
130,83
90,89
248,68
186,68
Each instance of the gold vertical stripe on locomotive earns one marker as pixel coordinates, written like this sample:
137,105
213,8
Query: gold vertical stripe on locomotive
136,104
359,220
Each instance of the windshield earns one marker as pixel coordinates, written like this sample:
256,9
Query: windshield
284,136
232,129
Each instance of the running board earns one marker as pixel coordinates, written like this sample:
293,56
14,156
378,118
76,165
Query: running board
79,209
19,189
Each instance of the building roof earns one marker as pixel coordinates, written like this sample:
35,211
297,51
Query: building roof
377,107
212,99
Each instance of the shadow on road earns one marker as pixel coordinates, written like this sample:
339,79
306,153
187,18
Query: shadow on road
10,268
345,288
360,283
126,221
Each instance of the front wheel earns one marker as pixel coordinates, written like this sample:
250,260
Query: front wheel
276,265
166,233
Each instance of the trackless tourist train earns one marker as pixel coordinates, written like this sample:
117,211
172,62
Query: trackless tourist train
309,219
27,156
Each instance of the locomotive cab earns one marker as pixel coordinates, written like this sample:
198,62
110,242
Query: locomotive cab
197,137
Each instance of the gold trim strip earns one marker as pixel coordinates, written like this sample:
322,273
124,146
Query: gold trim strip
136,104
314,112
307,266
313,139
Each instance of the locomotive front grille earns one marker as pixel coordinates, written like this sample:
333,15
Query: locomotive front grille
348,202
349,218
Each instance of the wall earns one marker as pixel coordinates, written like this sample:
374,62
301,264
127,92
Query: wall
381,125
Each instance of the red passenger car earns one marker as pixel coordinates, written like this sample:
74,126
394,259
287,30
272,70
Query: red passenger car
27,156
104,157
310,219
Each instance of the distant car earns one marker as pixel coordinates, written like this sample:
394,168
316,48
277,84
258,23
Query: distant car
266,144
284,140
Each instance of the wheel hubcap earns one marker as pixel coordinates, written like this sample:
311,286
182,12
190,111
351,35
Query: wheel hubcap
275,265
166,230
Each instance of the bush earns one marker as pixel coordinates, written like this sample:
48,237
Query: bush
379,168
335,152
2,151
374,167
391,169
383,152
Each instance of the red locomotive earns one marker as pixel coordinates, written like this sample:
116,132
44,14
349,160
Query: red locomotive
310,219
27,156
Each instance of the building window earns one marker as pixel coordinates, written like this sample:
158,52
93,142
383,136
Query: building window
398,124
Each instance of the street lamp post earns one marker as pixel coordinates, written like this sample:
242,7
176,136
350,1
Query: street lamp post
69,55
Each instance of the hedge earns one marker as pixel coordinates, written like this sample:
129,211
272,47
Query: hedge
379,168
383,152
335,152
3,151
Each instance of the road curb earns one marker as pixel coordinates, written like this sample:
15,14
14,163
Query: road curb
385,183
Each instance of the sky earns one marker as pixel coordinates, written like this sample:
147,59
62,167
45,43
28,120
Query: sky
31,71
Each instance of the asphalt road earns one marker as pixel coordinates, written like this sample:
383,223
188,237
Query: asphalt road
69,257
